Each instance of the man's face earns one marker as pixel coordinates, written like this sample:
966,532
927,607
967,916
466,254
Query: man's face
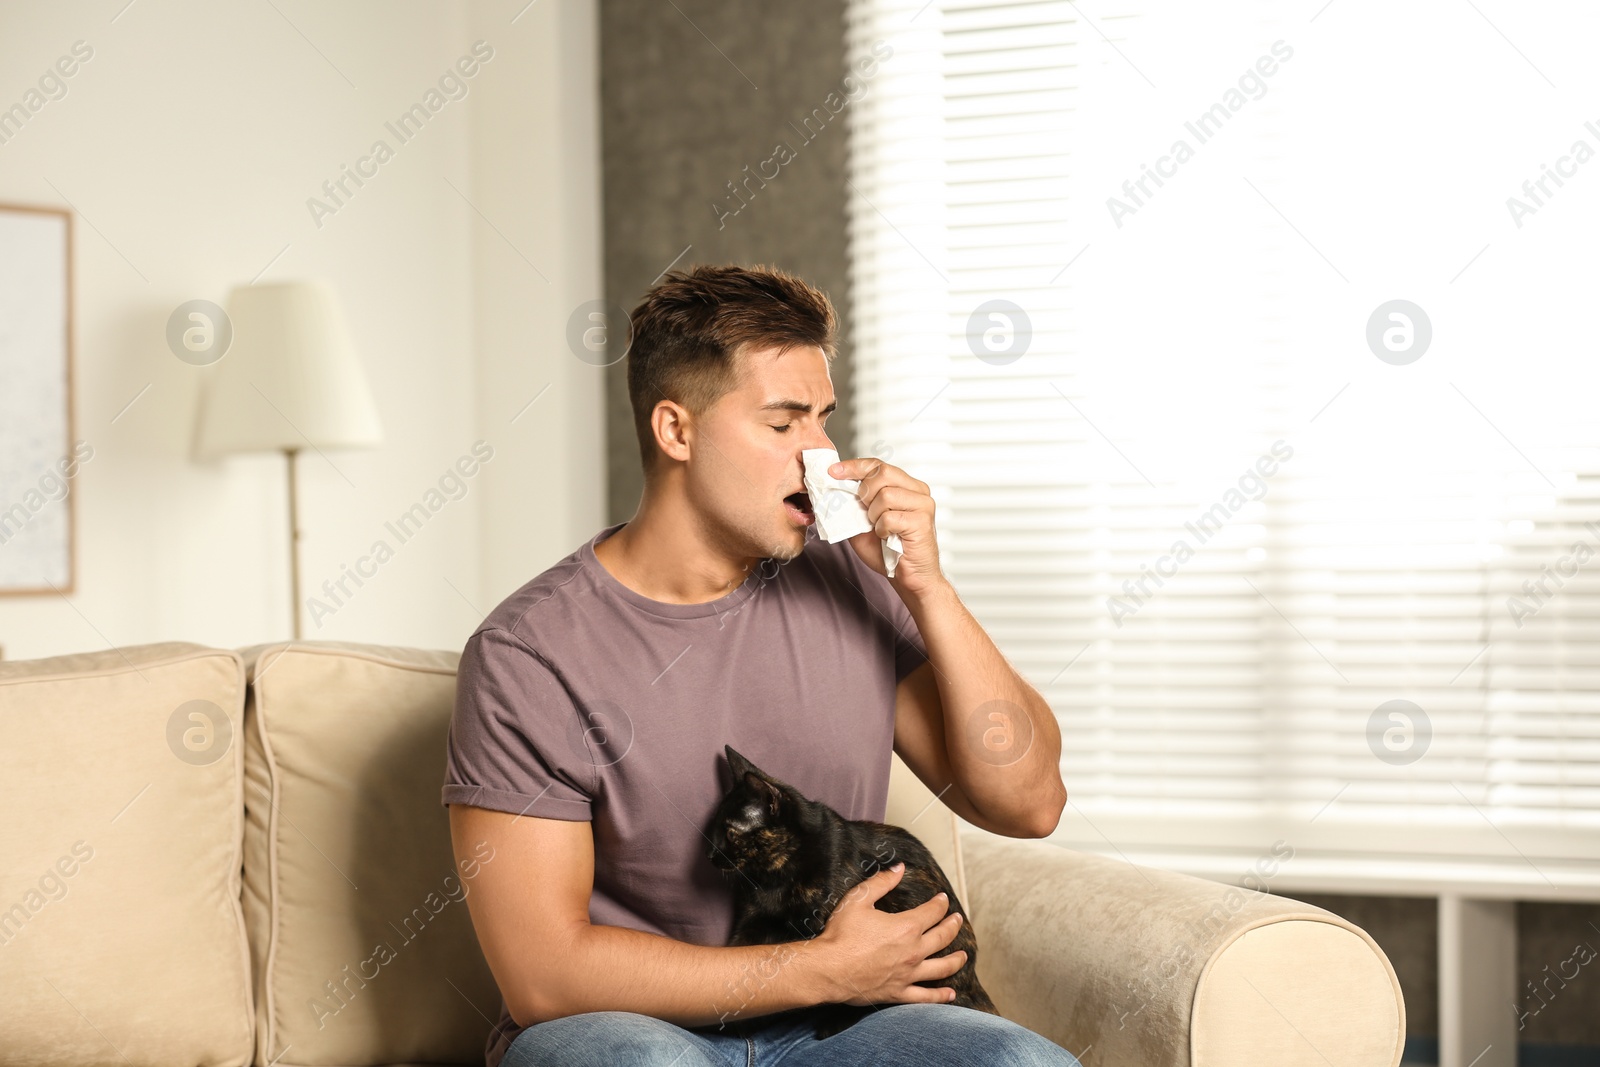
747,452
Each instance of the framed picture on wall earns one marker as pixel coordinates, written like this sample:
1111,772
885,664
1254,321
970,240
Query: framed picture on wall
38,455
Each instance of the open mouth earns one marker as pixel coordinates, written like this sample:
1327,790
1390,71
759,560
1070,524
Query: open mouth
799,507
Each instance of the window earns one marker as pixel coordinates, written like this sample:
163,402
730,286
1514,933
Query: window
1250,356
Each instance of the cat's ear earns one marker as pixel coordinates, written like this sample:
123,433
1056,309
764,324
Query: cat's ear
737,763
761,787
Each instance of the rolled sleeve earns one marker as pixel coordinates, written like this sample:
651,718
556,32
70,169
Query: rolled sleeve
515,743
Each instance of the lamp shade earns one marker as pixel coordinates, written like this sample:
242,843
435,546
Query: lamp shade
290,379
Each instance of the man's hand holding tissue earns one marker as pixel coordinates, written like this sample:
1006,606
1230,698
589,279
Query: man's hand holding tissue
896,503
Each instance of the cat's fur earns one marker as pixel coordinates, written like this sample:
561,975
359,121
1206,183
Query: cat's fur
790,861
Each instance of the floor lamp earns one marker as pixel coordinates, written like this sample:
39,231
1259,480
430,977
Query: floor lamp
291,380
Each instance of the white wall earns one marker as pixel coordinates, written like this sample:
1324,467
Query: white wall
536,149
189,144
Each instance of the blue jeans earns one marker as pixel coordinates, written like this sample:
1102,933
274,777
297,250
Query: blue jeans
895,1035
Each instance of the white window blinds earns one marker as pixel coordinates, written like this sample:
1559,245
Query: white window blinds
1124,286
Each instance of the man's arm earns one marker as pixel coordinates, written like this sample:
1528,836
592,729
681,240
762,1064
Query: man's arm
530,910
971,727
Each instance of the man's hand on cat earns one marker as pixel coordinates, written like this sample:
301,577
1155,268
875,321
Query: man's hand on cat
895,503
877,957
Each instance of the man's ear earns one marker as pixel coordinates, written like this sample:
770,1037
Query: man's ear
669,422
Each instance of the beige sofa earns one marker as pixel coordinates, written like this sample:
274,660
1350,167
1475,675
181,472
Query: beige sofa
225,857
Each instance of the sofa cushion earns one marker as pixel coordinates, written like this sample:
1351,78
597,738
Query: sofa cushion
364,952
121,936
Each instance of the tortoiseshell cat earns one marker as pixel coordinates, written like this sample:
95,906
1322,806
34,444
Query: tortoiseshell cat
791,860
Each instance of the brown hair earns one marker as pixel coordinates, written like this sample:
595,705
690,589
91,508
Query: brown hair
691,326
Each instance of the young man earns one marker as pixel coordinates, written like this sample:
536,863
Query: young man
593,705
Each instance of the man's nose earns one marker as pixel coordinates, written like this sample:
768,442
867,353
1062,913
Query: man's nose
816,437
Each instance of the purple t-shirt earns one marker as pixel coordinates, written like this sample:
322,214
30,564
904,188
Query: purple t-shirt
580,699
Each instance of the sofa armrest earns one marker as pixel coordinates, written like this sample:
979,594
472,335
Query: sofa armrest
1150,968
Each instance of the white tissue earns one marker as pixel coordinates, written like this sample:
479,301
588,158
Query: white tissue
840,513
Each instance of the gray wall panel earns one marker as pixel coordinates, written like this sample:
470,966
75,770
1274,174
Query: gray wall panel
679,121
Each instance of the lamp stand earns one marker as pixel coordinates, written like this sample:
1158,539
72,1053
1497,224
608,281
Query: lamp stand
294,543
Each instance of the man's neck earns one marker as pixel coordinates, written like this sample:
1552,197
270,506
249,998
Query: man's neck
662,553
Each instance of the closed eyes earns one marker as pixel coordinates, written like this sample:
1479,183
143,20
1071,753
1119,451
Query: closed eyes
785,427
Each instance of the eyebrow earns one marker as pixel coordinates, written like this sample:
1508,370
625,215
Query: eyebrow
795,405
